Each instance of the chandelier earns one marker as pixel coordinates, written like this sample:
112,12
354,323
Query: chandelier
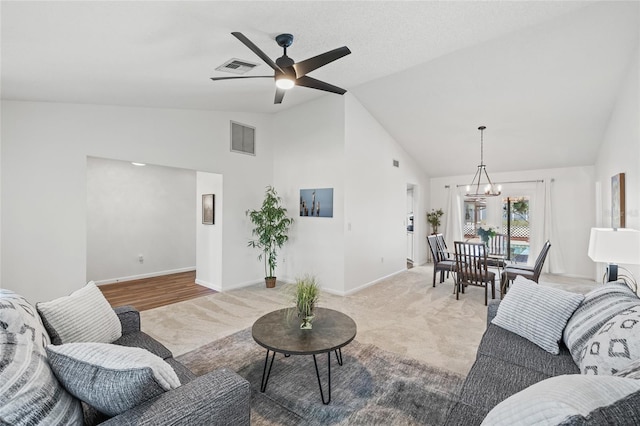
478,190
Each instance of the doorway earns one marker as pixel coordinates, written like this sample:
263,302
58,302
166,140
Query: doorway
410,225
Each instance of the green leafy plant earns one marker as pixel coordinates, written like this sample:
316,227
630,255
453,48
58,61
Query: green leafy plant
307,293
486,231
433,217
271,226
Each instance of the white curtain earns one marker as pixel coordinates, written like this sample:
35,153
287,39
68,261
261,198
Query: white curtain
453,214
544,228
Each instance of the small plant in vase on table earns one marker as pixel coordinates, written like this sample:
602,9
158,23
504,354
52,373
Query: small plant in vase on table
485,232
307,293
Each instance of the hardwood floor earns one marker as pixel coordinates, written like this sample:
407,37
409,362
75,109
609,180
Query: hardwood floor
149,293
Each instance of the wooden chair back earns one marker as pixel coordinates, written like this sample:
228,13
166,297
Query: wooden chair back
471,263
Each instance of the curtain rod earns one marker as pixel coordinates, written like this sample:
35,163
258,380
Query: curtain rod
504,183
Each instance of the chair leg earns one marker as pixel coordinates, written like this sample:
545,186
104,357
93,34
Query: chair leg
493,288
434,277
486,289
457,288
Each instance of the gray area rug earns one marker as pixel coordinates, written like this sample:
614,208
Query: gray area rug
372,386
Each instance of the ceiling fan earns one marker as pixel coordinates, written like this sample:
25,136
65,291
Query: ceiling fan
288,73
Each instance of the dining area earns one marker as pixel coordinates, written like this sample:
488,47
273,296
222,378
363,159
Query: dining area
481,262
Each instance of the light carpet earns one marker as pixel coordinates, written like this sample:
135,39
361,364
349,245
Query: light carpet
373,386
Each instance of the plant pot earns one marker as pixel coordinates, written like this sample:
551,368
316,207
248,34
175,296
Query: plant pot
306,322
270,282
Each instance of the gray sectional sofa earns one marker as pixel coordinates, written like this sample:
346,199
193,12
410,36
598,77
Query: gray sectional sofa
32,391
508,365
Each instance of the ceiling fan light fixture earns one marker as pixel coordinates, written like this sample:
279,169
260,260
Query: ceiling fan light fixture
285,82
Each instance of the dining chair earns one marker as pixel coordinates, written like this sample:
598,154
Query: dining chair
497,246
440,263
530,272
471,268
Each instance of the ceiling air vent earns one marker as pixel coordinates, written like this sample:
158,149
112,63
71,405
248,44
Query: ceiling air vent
396,163
243,138
237,66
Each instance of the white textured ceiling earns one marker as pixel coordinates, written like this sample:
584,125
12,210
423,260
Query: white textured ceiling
542,76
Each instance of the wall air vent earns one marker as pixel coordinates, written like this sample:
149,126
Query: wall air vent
237,66
243,138
396,163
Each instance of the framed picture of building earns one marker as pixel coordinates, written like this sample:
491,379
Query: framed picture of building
617,201
316,202
208,209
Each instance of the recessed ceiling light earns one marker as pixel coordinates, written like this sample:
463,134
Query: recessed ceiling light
138,164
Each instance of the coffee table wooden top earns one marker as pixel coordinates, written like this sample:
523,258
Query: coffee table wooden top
280,331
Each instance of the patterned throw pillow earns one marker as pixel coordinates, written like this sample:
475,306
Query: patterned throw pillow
614,346
571,399
17,315
631,371
537,313
111,378
83,316
29,392
598,307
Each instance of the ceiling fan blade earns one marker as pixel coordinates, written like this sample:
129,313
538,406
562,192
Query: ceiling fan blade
279,95
244,76
308,65
312,83
255,49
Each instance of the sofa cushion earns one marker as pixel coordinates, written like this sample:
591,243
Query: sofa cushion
83,316
511,348
598,307
111,378
631,371
537,313
30,394
614,346
17,315
140,339
571,399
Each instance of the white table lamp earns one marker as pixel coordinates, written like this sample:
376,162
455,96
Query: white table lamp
614,246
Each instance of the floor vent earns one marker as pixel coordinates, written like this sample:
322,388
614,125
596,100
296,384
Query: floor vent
237,66
243,138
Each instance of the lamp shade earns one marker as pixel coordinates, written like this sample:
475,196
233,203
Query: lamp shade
620,246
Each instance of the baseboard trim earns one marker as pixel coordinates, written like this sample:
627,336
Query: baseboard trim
363,286
141,276
208,285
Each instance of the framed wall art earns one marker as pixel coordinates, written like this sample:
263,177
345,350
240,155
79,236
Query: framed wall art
208,209
617,201
316,202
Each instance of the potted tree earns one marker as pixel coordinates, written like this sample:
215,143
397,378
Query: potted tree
271,226
433,218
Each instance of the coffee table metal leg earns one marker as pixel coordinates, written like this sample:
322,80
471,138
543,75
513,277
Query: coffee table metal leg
266,373
328,375
339,355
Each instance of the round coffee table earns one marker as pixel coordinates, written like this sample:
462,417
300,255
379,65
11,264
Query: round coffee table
279,331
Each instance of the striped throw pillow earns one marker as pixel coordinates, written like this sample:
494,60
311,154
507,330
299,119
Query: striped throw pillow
572,399
83,316
29,392
598,307
537,313
111,378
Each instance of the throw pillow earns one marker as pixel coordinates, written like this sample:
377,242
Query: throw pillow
570,399
537,313
17,315
631,371
598,307
614,346
83,316
111,378
29,392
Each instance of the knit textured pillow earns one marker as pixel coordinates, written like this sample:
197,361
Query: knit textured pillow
598,307
83,316
572,399
111,378
537,313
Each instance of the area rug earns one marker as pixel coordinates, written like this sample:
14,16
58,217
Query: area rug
372,386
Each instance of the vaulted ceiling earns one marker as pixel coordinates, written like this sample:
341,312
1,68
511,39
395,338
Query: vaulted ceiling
543,76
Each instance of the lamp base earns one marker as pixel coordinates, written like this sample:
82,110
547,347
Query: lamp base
612,272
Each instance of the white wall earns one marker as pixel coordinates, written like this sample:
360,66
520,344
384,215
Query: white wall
44,150
376,201
209,237
573,215
133,211
310,154
620,153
